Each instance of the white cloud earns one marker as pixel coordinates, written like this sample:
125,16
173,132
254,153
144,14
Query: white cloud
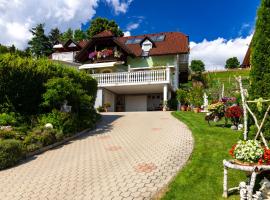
132,26
120,6
215,53
18,16
127,33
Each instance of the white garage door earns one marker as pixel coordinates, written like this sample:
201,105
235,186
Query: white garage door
136,103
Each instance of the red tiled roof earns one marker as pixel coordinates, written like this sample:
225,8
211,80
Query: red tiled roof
105,33
174,43
83,43
246,61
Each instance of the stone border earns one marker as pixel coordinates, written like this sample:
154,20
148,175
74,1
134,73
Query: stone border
65,140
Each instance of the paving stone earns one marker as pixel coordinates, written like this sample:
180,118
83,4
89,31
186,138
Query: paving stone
128,156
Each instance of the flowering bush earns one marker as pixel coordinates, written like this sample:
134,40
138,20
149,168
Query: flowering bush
234,113
218,107
228,99
106,52
248,151
92,55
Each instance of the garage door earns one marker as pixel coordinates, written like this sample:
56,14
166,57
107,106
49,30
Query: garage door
136,103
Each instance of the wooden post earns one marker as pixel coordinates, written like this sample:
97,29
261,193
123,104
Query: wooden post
225,183
239,80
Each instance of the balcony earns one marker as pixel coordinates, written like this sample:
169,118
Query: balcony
147,77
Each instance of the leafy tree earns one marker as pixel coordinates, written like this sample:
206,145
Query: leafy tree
232,63
197,66
260,60
79,35
101,24
40,44
3,49
67,35
54,35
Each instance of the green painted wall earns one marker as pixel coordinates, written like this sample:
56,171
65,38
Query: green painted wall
151,61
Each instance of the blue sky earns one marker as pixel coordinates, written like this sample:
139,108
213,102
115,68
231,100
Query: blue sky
200,19
218,29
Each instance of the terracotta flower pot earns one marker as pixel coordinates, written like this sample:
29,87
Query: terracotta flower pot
196,110
244,163
183,108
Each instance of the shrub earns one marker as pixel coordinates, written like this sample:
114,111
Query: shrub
182,96
260,62
59,136
11,151
23,80
61,121
33,147
7,119
100,109
47,137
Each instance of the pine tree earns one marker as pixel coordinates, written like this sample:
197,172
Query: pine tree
79,35
54,35
39,44
260,59
67,35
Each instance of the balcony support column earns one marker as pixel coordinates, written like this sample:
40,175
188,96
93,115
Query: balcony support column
165,97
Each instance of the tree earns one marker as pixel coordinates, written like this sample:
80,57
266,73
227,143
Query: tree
54,35
67,35
232,63
39,44
101,24
260,60
79,35
197,66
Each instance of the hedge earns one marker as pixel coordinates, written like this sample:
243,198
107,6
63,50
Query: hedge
11,151
22,81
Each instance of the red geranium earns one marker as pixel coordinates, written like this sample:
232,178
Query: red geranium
234,112
232,150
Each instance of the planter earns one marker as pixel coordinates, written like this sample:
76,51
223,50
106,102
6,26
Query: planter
196,110
238,162
183,108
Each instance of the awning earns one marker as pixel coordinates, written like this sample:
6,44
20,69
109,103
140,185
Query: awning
100,65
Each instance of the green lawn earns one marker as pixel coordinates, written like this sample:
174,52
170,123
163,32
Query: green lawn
202,177
227,77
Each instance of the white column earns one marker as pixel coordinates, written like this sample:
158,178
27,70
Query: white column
165,96
176,72
99,98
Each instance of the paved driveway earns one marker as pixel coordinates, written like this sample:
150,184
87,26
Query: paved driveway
129,156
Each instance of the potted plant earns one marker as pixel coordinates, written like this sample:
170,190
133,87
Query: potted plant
250,152
182,96
106,106
234,113
196,99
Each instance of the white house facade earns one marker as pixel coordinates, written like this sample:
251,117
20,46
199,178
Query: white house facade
136,73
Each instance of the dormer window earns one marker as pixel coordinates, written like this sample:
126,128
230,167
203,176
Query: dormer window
147,45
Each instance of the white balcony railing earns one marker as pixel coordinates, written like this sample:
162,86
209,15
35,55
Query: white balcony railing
133,78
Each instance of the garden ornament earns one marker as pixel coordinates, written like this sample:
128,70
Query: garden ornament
48,126
243,191
66,108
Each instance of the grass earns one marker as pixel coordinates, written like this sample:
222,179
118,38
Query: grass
227,77
202,177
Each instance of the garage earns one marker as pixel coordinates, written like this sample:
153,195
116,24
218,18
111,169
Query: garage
136,103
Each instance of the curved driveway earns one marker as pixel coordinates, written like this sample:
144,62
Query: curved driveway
129,156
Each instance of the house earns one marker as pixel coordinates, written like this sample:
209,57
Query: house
135,73
246,61
66,51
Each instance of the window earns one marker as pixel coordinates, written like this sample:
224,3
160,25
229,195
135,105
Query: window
158,38
134,41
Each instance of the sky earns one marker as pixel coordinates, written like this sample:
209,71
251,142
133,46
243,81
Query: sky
217,29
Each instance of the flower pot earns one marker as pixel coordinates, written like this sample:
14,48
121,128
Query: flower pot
238,162
183,108
196,110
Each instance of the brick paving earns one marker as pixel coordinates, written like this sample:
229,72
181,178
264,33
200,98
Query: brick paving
129,156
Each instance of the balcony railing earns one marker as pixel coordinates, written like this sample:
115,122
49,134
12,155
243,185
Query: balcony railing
133,78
